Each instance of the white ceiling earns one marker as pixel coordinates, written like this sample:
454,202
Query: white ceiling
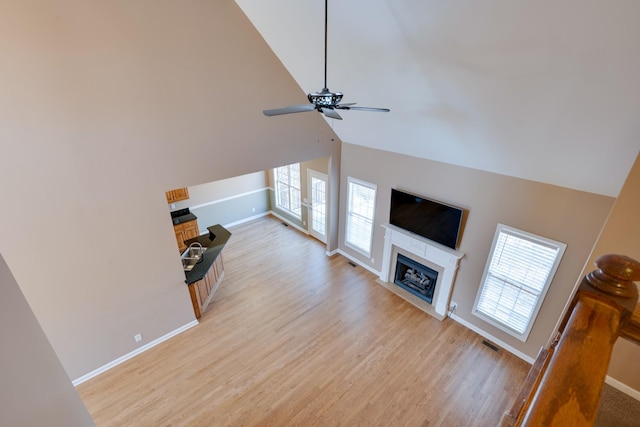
546,90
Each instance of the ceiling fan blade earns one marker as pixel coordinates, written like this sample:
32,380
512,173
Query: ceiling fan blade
347,107
290,109
330,113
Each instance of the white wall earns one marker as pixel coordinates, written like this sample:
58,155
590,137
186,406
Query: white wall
543,90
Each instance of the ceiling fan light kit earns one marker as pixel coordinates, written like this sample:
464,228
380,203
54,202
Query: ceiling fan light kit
325,98
325,101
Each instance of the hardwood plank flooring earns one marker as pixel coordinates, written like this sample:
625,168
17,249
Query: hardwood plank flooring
295,338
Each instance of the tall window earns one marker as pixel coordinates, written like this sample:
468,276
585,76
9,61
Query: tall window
517,276
361,201
288,189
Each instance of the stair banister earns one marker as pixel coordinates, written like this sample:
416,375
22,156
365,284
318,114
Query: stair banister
564,385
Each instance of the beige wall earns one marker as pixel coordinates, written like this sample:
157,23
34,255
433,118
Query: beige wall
35,390
569,216
621,235
105,106
108,104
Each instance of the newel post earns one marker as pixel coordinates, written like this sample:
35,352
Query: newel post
568,392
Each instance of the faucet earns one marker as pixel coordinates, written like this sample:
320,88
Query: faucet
197,245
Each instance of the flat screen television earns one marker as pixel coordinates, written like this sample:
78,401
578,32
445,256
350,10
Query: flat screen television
425,217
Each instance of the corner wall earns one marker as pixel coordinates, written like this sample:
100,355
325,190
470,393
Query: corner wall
621,235
35,390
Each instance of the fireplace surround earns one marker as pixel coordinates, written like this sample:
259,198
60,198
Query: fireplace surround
443,260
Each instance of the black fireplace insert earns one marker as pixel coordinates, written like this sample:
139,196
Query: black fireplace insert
416,278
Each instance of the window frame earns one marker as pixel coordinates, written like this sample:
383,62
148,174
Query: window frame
349,214
559,247
289,189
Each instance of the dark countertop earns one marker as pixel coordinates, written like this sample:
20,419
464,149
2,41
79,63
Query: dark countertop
184,218
214,242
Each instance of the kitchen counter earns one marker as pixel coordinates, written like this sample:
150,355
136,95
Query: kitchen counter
182,215
214,242
184,218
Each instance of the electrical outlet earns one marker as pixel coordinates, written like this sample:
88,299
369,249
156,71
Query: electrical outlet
253,209
173,205
452,308
138,337
373,260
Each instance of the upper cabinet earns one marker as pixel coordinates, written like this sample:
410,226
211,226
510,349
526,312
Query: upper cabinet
177,195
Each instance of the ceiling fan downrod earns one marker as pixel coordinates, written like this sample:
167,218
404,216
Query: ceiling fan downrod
326,13
325,101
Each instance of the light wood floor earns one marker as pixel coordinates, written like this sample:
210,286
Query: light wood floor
296,338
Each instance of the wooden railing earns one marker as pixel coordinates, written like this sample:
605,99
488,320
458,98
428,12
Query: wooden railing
564,384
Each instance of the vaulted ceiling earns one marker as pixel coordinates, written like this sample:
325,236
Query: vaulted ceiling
545,90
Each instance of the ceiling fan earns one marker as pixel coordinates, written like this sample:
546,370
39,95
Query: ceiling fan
325,101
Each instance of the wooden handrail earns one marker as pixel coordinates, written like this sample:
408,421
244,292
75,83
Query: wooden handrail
631,330
564,385
514,416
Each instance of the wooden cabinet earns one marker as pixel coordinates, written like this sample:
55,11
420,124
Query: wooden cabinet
177,195
185,231
190,229
202,291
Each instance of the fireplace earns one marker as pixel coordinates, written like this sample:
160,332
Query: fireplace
416,278
432,297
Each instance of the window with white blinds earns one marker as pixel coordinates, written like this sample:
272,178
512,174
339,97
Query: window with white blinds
361,202
288,187
518,273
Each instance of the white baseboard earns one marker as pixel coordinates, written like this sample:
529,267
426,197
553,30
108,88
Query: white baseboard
611,381
493,339
357,261
242,221
130,355
332,253
623,387
288,222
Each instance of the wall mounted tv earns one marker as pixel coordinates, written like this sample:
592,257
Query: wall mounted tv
425,217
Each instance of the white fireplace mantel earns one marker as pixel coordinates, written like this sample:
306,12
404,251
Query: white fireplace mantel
445,258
